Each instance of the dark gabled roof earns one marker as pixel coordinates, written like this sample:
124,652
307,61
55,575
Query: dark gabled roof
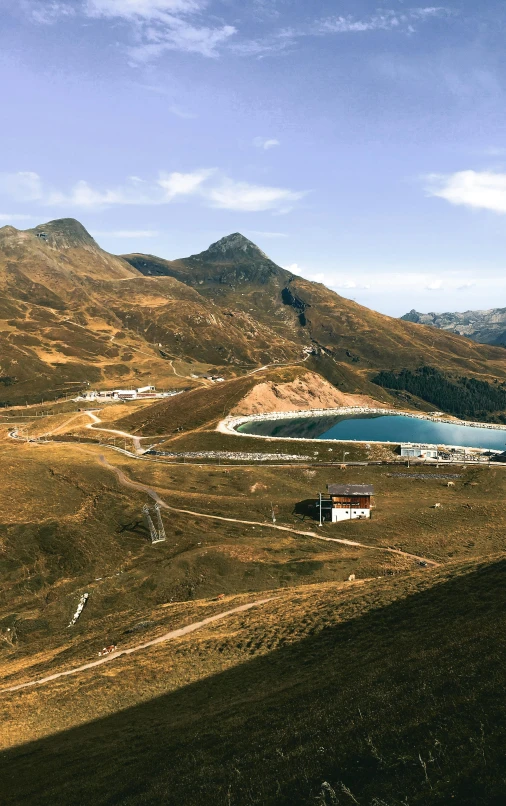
350,489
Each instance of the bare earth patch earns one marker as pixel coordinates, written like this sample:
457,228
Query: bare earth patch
310,391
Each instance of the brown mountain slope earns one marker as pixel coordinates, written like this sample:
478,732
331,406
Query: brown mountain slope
45,292
354,334
386,693
237,276
230,261
202,407
73,316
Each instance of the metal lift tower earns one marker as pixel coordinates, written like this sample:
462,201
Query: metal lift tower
157,532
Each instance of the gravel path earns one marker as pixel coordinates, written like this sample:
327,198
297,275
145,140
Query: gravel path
197,625
137,485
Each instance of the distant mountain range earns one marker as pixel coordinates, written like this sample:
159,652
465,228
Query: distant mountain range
485,327
73,315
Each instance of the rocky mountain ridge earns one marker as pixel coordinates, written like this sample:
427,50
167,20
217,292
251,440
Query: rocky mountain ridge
484,327
73,315
232,260
65,233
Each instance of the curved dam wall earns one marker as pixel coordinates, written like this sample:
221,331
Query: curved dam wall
327,419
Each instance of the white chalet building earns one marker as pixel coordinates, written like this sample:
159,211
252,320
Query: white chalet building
347,501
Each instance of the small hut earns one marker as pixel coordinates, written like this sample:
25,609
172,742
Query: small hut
348,501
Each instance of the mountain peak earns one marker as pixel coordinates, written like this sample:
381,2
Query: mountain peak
65,233
230,261
236,243
483,326
412,316
232,246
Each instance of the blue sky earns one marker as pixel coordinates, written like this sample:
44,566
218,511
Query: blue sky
362,145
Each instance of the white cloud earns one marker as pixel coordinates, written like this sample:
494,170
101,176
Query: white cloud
284,39
129,233
382,21
242,196
22,186
157,25
485,190
182,36
47,13
146,9
265,143
206,184
436,285
135,191
345,284
178,184
84,195
344,25
163,25
15,217
278,42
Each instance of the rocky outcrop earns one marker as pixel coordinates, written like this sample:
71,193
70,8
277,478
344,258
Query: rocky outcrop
65,233
289,298
485,327
233,260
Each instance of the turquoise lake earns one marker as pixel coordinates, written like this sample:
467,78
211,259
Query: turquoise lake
379,428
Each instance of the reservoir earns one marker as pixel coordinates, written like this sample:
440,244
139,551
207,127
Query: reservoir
378,428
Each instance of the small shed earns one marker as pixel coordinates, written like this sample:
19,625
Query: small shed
348,501
419,451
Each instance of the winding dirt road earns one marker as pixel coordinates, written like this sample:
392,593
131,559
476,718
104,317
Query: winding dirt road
197,625
137,485
93,425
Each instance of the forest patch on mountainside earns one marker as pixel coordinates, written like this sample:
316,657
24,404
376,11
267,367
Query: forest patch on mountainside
468,398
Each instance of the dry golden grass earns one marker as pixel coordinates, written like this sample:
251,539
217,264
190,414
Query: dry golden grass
85,535
292,615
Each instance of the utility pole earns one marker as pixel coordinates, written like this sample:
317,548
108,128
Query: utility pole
320,510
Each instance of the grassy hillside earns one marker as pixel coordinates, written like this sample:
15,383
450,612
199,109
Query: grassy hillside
237,276
363,338
385,690
87,529
200,407
73,316
56,335
390,695
372,674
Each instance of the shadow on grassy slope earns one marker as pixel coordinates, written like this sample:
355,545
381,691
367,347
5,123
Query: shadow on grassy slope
404,705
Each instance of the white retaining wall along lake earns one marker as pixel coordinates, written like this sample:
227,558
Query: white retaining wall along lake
231,424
